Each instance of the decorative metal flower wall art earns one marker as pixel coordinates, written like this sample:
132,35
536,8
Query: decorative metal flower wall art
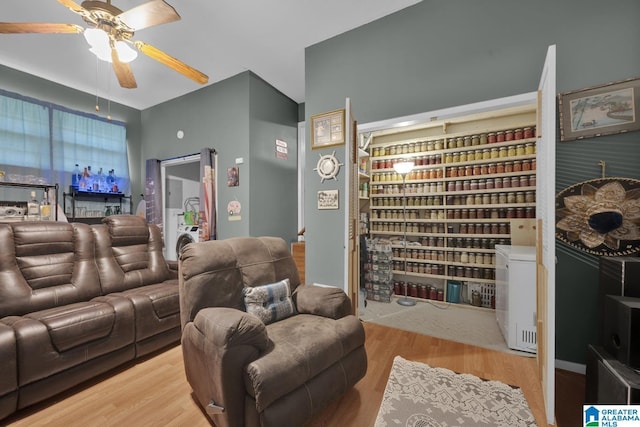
600,216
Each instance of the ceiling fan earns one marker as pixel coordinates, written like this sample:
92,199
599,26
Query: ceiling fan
109,33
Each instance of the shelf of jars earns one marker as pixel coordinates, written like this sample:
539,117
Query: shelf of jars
456,204
461,273
456,143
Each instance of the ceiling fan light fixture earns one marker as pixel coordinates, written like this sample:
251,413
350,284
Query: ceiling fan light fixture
101,46
125,52
96,37
102,54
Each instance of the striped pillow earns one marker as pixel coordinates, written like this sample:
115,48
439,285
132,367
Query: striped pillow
271,302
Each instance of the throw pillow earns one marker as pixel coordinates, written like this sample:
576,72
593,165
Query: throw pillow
271,302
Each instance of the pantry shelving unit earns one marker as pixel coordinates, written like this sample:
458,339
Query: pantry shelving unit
472,177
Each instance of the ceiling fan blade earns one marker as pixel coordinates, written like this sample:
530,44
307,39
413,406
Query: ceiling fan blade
123,71
70,4
38,27
154,12
172,62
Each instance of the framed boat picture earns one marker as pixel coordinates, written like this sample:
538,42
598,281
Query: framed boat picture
600,110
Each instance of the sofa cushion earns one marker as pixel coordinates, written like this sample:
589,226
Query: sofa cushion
76,324
304,345
271,302
45,264
129,253
157,308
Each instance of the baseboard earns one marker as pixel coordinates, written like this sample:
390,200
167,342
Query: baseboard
571,366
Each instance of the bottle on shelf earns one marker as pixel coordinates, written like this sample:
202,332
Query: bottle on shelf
99,182
45,208
89,178
85,182
33,208
76,176
115,187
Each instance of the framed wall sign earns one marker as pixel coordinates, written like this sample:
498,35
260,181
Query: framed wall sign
327,129
600,110
328,199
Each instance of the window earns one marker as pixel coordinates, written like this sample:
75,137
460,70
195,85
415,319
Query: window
44,140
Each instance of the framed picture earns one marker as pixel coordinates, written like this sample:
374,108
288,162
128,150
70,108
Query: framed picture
600,110
328,199
233,177
327,129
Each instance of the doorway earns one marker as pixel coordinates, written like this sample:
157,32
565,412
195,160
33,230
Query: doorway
180,202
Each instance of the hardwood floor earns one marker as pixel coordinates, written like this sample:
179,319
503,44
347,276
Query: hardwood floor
154,391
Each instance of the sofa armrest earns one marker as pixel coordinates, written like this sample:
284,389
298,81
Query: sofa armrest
216,347
173,268
322,301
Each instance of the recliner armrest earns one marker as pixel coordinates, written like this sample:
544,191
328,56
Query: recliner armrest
216,347
228,327
322,301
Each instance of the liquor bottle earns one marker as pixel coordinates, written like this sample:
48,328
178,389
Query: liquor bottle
45,208
90,179
98,181
114,185
84,180
33,208
76,175
110,180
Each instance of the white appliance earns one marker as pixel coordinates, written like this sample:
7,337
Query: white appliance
186,234
516,296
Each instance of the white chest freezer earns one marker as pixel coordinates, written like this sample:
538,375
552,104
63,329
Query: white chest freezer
516,296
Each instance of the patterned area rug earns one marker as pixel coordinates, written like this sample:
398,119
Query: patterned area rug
418,395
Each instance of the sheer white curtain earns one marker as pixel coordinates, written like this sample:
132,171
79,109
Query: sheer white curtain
24,139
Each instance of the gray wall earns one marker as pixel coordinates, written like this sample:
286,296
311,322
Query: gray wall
274,181
215,116
439,54
239,117
44,90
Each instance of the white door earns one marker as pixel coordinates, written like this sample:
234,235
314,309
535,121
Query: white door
545,214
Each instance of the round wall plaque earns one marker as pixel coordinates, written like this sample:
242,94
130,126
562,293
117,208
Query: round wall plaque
328,167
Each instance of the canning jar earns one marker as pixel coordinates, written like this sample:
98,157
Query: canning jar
518,134
528,132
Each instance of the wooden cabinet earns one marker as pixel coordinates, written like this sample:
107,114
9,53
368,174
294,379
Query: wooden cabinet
472,177
298,253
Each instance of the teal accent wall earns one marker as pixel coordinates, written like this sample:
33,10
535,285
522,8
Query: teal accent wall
240,117
439,54
274,180
216,116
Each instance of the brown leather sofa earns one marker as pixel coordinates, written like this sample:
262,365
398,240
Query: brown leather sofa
78,300
244,372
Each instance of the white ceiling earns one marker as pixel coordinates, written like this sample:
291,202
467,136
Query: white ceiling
219,38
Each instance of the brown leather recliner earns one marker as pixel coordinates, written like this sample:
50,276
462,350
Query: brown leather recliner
246,373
